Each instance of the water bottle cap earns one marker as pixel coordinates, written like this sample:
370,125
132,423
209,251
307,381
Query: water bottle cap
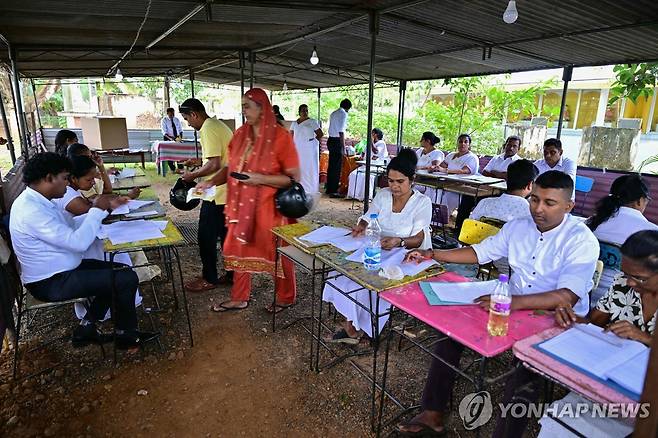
374,216
503,278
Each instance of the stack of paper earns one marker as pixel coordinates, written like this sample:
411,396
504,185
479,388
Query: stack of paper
348,243
603,354
325,234
130,206
132,231
127,172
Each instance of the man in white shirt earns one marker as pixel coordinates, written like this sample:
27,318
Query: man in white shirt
336,146
49,248
171,130
553,256
553,160
497,166
512,204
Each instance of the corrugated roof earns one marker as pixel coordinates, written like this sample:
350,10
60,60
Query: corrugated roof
417,39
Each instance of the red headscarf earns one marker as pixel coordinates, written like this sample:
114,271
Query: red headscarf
251,155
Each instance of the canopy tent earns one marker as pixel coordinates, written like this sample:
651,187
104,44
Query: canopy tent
417,39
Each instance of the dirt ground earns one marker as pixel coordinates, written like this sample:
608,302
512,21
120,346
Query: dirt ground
239,379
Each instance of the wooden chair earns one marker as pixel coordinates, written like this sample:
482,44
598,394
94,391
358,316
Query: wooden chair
610,255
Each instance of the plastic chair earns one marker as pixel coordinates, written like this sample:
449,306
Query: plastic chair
473,231
492,221
610,255
584,185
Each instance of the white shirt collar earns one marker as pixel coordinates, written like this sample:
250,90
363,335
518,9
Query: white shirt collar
631,211
39,198
555,231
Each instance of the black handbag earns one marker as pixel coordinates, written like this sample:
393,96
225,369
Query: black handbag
292,202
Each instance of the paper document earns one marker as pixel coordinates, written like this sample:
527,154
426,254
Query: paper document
325,234
482,179
348,243
463,293
630,374
130,206
205,195
131,231
127,172
142,213
587,348
394,257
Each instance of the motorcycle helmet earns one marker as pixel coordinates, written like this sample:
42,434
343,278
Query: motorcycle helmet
178,195
293,202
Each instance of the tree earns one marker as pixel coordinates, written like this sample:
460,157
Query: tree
633,81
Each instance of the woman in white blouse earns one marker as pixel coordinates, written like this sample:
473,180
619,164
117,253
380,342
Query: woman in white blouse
356,181
618,216
74,203
428,157
306,133
462,162
404,216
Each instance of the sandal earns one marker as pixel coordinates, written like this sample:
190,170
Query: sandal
425,430
278,308
341,336
220,308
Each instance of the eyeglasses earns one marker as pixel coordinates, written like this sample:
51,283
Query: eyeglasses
637,279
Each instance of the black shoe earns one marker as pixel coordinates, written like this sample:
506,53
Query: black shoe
134,339
336,195
84,335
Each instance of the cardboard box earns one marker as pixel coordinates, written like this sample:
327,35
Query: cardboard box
104,133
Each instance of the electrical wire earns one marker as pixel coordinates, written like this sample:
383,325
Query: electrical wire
132,46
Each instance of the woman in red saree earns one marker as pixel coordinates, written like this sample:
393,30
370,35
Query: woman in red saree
265,152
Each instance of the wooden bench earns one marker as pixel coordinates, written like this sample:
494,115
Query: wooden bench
11,185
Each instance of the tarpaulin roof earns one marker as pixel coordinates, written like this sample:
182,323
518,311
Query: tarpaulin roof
419,39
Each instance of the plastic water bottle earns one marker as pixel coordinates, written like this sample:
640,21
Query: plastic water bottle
372,254
499,308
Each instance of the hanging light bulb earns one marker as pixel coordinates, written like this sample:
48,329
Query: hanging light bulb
511,14
314,57
285,85
118,74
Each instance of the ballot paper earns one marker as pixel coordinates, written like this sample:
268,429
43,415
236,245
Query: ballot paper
127,172
130,206
325,234
395,257
592,350
463,293
131,231
348,243
205,195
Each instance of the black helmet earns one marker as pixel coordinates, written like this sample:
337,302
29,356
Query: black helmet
178,195
293,202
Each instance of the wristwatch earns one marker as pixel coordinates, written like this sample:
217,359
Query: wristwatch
402,243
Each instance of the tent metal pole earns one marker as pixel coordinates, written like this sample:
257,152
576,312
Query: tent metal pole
241,81
196,138
36,105
319,96
252,61
401,98
18,101
5,123
374,30
566,77
167,92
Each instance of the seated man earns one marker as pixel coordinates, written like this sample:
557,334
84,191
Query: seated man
554,160
553,257
497,166
49,249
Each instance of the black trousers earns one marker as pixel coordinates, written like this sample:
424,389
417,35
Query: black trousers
212,225
92,278
335,164
466,206
172,164
521,387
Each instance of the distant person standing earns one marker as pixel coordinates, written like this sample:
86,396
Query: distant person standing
307,134
214,136
336,146
277,113
172,130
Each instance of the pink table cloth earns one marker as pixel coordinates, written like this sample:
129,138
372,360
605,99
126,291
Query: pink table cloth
566,375
466,324
174,151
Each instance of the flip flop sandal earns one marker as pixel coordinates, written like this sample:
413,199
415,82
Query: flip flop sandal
221,308
278,308
425,430
341,336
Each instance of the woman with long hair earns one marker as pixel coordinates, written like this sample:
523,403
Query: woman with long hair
63,140
356,181
460,162
616,217
264,155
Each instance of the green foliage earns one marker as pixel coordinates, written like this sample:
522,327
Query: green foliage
633,81
49,108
